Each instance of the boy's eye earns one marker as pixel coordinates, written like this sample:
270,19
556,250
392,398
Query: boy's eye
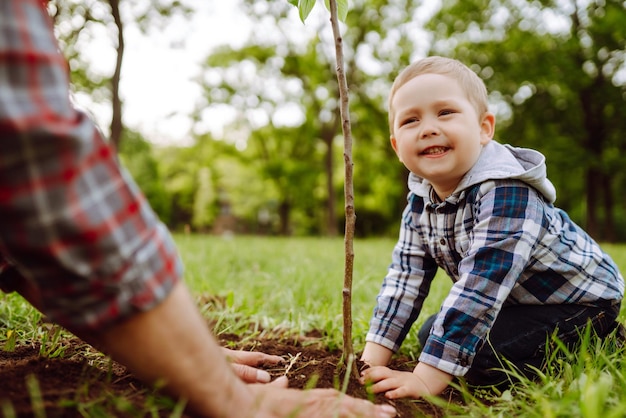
446,112
409,120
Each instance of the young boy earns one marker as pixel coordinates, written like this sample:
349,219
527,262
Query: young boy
482,211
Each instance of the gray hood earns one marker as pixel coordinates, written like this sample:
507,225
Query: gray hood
497,162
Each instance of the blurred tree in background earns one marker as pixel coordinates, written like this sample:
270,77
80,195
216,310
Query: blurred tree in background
137,155
555,71
78,23
274,77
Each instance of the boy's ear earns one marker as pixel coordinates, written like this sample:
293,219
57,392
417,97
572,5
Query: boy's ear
394,145
487,127
392,139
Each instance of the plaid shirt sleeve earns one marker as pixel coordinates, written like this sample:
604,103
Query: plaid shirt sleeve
406,284
72,223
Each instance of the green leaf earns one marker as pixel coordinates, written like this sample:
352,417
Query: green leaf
342,9
293,2
305,7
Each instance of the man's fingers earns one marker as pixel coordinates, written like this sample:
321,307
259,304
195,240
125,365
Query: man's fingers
250,374
275,400
352,407
252,358
281,382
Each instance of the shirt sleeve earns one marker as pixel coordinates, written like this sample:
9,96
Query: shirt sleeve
508,223
406,284
72,222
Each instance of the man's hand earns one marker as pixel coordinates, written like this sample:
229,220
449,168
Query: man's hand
275,400
244,364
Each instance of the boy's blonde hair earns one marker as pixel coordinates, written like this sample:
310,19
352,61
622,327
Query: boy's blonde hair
468,79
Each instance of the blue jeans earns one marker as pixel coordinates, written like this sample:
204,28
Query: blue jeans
520,334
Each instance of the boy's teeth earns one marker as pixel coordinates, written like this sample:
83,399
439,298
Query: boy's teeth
436,150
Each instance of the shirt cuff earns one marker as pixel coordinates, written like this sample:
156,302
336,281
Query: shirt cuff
380,340
446,356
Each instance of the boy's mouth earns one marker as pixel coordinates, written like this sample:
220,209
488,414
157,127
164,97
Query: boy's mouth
434,150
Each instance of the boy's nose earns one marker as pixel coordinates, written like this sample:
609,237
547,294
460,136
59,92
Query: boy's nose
427,133
428,130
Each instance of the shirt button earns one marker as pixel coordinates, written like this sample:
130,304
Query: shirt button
442,241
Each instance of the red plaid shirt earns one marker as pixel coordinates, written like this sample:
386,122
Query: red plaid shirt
74,228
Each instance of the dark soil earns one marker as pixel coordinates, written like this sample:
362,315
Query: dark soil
81,382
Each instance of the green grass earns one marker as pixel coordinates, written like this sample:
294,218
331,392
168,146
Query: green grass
253,285
296,284
292,283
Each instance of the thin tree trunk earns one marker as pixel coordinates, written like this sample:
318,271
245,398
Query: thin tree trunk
116,120
348,350
331,218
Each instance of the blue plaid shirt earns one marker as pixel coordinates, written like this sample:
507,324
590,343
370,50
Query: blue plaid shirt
502,242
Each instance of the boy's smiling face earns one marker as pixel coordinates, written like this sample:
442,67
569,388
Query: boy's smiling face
437,133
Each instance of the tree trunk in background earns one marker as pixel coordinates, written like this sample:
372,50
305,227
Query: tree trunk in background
593,121
592,185
284,209
609,218
116,120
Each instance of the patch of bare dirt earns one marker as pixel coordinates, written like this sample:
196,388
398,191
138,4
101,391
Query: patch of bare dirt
308,361
83,383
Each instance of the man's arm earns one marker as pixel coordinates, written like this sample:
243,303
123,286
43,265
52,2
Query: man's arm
171,343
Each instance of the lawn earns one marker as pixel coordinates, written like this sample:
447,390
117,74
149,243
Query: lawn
292,283
254,288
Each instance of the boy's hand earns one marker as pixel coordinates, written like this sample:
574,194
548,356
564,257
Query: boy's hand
423,381
394,383
376,355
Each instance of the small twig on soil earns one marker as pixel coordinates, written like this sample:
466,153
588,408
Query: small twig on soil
292,361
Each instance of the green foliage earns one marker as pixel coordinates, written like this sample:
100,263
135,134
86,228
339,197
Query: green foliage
342,9
302,157
306,6
554,69
204,203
